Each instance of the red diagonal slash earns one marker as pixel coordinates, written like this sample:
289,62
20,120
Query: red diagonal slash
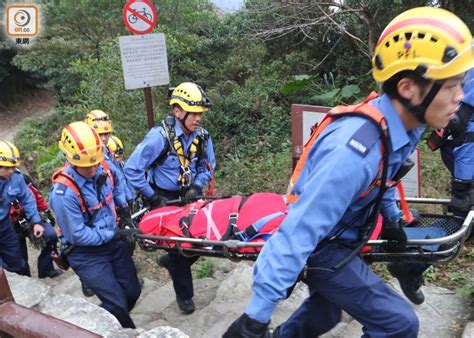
144,18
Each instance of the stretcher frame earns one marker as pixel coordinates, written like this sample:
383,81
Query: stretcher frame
450,245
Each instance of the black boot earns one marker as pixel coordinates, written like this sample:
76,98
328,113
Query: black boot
410,281
51,273
87,291
186,306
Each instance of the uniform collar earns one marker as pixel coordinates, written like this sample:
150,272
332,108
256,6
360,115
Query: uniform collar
398,134
180,132
79,179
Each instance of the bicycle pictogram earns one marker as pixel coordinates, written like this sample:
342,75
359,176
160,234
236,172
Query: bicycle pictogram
132,18
139,16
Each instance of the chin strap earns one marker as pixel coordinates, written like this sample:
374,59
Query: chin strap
420,109
183,121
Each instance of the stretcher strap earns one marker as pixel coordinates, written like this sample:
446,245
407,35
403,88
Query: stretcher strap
211,225
252,231
407,216
232,229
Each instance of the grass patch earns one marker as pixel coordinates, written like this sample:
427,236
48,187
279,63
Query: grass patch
202,268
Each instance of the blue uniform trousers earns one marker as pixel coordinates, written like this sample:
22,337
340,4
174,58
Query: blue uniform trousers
109,271
45,262
177,265
10,253
353,288
179,268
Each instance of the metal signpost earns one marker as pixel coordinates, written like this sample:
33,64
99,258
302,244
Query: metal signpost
144,57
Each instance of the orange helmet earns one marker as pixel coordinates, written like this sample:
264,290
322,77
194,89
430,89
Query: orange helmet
81,144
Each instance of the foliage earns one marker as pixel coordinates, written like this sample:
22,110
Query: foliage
203,268
327,91
253,65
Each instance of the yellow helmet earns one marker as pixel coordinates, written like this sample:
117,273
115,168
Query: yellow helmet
81,144
431,41
115,146
9,154
100,121
190,97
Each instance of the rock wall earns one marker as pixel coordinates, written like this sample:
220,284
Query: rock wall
219,300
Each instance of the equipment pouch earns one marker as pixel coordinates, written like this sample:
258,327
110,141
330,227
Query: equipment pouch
404,169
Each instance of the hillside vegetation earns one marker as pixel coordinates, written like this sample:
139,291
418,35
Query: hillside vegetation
253,64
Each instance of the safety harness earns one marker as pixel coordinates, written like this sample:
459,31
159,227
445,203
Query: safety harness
173,145
62,177
375,117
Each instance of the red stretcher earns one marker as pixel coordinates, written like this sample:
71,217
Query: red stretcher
238,227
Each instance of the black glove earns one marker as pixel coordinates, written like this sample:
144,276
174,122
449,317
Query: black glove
192,193
125,217
127,235
397,238
47,216
246,327
156,201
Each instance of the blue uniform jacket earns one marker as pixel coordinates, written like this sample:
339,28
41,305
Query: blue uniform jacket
464,157
130,193
166,174
123,187
329,204
464,154
16,188
66,206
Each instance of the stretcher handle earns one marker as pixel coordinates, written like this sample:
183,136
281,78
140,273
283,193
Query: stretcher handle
235,244
442,240
230,244
139,212
442,201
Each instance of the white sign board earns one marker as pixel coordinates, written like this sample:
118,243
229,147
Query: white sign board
411,182
310,118
144,60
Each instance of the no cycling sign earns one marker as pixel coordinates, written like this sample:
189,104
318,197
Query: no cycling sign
139,16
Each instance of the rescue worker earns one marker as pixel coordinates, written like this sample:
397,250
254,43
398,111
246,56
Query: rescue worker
116,148
175,160
101,122
12,188
82,198
420,60
458,155
17,214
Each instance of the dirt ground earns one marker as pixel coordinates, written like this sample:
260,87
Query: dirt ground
35,102
38,102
